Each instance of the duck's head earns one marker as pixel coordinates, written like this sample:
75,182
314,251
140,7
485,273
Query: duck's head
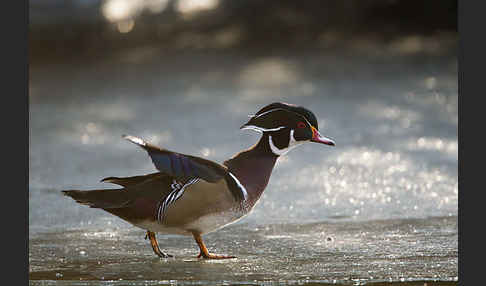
287,126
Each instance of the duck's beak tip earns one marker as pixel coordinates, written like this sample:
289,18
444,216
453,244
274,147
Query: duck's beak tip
318,138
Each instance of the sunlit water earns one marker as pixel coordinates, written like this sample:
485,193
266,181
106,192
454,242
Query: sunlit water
380,206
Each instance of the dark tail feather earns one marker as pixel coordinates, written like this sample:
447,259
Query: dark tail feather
132,181
108,198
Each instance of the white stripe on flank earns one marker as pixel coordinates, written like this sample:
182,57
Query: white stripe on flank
177,191
242,188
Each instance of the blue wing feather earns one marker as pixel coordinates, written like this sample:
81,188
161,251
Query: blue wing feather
180,165
162,162
186,166
176,165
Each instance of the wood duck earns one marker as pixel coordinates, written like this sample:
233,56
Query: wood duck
194,196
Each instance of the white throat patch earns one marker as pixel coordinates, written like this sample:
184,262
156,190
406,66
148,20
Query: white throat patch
292,144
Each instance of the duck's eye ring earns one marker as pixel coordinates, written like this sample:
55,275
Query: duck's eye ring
300,124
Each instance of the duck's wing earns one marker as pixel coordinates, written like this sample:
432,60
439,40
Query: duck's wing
180,165
186,167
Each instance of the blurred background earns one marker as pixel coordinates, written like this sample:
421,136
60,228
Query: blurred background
62,30
381,76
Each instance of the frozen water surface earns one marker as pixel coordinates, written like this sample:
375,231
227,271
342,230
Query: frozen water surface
379,207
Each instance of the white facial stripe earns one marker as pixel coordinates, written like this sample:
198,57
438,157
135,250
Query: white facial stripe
274,148
242,188
260,129
275,109
292,144
252,127
268,111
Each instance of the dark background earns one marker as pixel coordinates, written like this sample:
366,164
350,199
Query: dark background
62,30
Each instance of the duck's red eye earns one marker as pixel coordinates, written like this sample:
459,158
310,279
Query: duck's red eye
301,124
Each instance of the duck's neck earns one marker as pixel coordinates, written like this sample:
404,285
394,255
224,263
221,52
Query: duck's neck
253,168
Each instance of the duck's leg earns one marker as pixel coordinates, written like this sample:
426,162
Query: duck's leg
155,245
204,253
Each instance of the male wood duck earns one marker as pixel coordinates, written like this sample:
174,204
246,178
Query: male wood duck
194,196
